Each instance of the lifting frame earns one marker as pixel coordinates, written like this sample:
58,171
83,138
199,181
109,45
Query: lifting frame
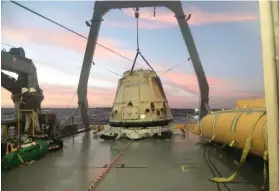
100,9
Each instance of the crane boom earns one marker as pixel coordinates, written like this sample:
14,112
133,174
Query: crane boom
20,64
15,61
100,9
10,83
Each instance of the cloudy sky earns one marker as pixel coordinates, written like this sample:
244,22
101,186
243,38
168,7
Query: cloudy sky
227,36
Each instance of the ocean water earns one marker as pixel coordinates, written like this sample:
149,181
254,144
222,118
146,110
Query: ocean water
100,115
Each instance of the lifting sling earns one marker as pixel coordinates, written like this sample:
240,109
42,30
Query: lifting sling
138,50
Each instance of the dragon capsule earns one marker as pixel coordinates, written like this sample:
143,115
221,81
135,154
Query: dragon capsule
140,101
140,107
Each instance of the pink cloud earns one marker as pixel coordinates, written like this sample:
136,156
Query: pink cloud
60,96
167,19
220,101
144,24
220,93
105,79
189,82
65,40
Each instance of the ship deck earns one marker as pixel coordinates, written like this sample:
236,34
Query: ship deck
156,165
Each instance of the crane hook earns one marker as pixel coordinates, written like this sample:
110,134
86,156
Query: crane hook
137,13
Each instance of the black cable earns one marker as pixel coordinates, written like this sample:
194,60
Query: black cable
73,96
70,30
216,169
212,171
80,35
171,68
93,64
108,70
7,45
174,67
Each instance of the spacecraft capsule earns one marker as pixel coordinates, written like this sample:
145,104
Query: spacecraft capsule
140,101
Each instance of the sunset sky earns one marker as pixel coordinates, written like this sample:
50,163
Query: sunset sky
227,36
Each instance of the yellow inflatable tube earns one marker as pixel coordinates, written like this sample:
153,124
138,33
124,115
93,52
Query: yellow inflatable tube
233,127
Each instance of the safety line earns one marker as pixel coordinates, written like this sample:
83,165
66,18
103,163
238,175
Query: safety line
172,68
7,45
107,169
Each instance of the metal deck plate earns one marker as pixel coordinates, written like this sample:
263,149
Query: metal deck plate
155,165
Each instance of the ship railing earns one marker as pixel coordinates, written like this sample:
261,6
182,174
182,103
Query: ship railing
69,118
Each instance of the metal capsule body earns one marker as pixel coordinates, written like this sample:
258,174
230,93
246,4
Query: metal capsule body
140,101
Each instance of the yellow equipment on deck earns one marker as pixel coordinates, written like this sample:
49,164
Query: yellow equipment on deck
234,126
244,127
251,103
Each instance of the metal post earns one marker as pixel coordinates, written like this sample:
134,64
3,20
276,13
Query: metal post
33,123
271,89
18,127
17,101
73,120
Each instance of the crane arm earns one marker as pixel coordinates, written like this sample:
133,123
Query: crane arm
10,84
100,9
20,65
15,61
